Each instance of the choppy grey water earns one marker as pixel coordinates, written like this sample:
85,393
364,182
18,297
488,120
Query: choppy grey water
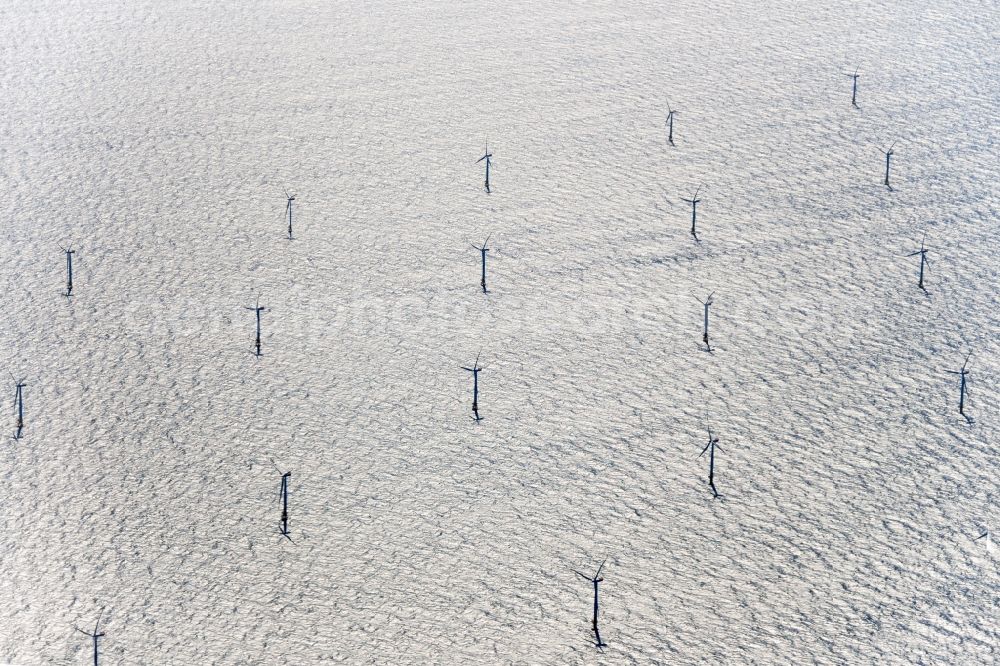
156,139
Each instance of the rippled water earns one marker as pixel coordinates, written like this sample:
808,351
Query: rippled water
157,138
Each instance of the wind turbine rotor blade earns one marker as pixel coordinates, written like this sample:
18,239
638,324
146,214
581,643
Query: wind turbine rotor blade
600,568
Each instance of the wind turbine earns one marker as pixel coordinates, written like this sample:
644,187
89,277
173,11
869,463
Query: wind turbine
95,635
985,535
488,156
69,270
707,302
670,124
963,373
694,211
713,443
483,250
475,369
19,404
288,209
923,260
284,505
854,90
595,579
257,310
888,156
